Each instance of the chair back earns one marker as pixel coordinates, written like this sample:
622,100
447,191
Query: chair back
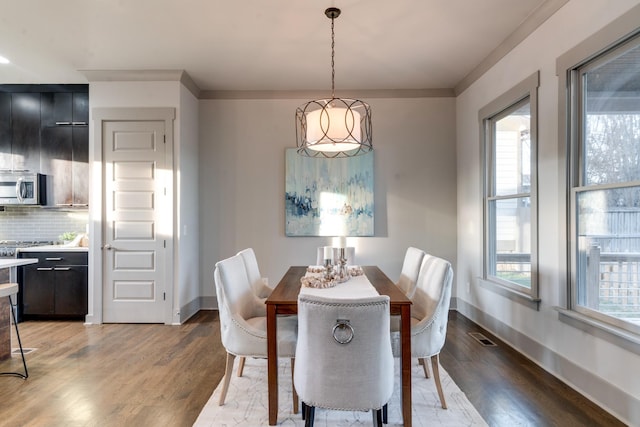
343,354
350,253
253,273
236,302
431,304
410,270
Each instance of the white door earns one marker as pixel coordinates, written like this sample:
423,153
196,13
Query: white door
134,229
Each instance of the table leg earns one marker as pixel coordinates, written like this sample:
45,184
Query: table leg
405,359
272,363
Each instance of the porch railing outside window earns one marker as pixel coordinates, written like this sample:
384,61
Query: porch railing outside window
605,189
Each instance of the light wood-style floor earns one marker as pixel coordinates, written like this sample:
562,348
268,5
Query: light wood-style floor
156,375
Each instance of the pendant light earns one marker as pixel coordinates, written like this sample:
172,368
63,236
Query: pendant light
333,127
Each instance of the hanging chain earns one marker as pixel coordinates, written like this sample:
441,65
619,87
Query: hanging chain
333,62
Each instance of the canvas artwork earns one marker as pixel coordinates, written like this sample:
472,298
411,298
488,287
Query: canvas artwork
328,197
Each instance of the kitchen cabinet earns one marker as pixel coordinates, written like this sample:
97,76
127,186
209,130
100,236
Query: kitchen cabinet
25,131
5,131
65,147
44,128
55,287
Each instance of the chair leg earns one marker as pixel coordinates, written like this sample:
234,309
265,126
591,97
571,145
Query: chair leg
241,365
385,414
293,387
304,410
436,377
425,367
24,362
228,370
377,417
310,413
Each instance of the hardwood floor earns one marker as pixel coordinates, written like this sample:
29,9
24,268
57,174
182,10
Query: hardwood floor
156,375
507,388
114,375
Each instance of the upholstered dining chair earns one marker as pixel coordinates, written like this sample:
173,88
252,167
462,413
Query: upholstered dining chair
260,288
343,355
243,322
258,284
410,269
350,253
429,316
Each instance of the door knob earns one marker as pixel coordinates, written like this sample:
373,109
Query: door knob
108,247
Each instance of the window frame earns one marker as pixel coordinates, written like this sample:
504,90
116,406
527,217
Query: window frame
575,134
487,117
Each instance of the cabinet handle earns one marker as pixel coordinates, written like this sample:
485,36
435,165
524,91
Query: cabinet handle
62,269
53,259
78,123
63,123
44,269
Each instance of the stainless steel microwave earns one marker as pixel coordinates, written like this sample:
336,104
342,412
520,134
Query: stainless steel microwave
22,188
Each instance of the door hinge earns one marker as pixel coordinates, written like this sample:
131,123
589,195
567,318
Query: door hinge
164,244
164,138
164,296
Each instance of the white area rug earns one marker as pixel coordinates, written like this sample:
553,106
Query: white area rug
247,405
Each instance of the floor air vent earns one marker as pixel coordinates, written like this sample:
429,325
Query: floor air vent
24,350
482,339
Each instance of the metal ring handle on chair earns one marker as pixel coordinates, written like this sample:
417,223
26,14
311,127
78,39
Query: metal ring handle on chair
343,332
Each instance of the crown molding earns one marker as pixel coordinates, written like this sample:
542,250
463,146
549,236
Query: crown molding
143,76
316,94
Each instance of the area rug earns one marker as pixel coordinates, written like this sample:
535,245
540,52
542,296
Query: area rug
247,405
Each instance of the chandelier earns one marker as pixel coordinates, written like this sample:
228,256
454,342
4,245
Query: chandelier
333,127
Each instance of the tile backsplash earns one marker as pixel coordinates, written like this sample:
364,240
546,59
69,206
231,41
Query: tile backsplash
25,223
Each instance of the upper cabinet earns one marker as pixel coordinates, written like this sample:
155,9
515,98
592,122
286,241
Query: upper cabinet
6,158
64,147
44,128
25,131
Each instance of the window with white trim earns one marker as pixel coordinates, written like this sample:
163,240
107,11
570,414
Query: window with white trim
604,184
509,131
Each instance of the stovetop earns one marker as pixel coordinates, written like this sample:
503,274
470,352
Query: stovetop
8,247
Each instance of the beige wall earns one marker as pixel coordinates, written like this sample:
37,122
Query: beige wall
242,148
597,367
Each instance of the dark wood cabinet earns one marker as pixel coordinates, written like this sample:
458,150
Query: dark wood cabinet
5,131
44,128
65,147
25,131
55,287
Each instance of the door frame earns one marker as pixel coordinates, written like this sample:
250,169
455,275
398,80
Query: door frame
99,116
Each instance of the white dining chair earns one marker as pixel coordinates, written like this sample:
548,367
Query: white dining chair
343,355
258,283
410,270
243,322
429,316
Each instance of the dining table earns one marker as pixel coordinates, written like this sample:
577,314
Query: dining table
284,301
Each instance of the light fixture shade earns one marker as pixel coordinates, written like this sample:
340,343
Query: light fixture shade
332,128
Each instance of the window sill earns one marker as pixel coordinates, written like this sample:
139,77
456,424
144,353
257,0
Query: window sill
512,294
627,340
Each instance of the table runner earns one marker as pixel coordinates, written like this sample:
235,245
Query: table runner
355,287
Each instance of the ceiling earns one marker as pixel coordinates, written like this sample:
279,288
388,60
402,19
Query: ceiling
252,45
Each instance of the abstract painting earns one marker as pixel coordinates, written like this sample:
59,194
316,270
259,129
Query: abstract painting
328,197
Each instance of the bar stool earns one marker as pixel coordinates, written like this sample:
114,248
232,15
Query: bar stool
6,290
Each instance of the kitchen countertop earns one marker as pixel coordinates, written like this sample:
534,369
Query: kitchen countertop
54,248
14,262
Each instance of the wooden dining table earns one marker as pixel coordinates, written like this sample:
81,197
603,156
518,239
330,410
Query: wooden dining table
284,301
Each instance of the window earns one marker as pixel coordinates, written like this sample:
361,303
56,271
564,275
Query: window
604,185
509,131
